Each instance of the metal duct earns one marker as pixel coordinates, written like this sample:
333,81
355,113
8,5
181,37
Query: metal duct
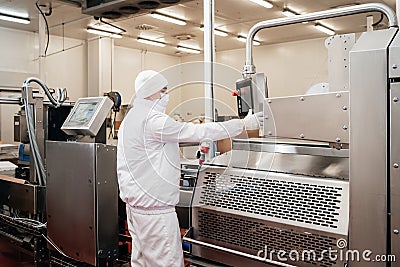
114,9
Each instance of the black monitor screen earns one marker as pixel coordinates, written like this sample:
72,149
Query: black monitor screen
245,96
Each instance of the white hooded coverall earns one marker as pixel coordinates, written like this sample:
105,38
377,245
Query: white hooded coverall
148,165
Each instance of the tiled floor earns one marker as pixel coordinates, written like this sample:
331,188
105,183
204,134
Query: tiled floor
11,257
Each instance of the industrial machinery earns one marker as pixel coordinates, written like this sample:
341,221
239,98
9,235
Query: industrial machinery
62,204
321,187
23,214
82,189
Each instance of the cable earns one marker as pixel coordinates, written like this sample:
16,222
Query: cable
48,239
112,25
111,134
37,159
47,27
32,222
379,21
50,10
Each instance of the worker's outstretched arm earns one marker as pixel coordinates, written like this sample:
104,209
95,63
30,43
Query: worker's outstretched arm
166,130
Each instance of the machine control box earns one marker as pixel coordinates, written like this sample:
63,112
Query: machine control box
87,116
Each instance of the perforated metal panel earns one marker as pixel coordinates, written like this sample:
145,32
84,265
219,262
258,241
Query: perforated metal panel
315,203
253,236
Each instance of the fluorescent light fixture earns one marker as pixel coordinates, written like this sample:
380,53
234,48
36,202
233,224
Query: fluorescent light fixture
324,29
263,3
217,32
168,18
220,33
188,49
106,28
289,13
244,40
13,18
150,42
103,32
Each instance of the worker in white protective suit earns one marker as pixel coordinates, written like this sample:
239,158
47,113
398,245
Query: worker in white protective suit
149,169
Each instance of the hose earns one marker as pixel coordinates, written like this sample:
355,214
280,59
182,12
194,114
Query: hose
61,97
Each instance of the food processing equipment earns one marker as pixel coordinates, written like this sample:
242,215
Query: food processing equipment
322,184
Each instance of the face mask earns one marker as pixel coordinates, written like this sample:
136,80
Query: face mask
162,103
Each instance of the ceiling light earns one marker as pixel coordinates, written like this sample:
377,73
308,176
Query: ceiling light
324,29
103,32
244,40
188,49
150,42
105,28
168,18
217,32
13,18
263,3
289,13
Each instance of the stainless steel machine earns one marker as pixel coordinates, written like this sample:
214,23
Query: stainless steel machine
82,188
64,208
321,187
23,210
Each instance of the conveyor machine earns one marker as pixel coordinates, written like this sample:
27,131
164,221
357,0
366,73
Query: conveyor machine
322,187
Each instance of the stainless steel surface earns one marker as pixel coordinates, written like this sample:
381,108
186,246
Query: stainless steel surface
245,210
339,47
20,128
82,192
259,92
6,100
92,122
132,7
106,201
235,252
229,259
313,117
39,127
288,147
315,166
394,58
368,139
274,197
183,208
249,68
286,196
250,235
24,197
394,172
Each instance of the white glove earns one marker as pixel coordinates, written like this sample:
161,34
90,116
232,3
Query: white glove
253,121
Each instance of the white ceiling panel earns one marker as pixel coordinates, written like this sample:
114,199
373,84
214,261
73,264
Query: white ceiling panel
234,16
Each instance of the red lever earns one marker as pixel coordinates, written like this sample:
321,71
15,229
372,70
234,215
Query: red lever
204,149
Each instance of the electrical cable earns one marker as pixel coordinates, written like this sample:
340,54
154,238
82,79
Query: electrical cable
47,27
111,134
50,10
112,25
52,243
22,224
114,125
37,159
379,21
61,96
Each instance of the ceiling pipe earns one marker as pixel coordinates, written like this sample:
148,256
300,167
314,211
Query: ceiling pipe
75,3
249,68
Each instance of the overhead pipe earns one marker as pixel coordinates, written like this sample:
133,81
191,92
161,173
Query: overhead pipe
249,68
75,3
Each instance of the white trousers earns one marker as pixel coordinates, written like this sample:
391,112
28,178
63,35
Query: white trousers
156,239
